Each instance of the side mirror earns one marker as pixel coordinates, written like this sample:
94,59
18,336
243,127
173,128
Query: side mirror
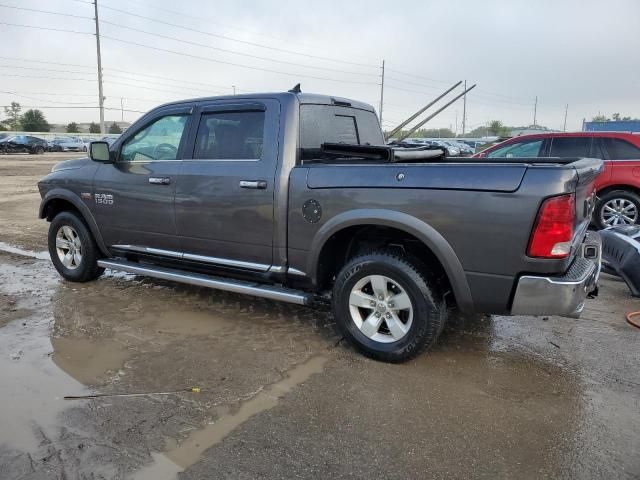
99,152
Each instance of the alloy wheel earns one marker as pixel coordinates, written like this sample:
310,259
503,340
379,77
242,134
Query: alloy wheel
619,211
69,247
381,308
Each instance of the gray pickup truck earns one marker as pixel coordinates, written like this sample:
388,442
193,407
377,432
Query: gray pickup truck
296,197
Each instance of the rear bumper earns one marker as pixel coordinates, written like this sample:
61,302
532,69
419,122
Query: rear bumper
563,295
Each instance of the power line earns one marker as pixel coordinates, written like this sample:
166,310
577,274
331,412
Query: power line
419,76
49,78
44,100
233,52
48,12
393,87
209,21
77,107
42,69
182,92
162,84
58,94
414,83
292,52
162,77
45,28
43,61
303,75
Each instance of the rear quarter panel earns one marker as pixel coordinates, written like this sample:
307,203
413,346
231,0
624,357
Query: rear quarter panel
488,230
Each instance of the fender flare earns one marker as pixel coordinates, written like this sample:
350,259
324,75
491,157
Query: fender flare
73,199
411,225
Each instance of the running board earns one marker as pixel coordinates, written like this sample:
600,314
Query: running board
238,286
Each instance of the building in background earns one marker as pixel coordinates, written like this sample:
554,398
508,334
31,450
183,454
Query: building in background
612,126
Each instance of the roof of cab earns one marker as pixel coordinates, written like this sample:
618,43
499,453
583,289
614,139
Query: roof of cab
303,98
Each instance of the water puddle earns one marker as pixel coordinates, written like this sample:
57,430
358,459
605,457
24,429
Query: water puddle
180,457
5,247
32,385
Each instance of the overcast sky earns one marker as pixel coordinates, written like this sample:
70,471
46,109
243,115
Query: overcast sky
582,53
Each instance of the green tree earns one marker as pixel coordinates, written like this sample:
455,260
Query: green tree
73,128
616,117
114,128
94,128
13,115
600,118
34,121
497,128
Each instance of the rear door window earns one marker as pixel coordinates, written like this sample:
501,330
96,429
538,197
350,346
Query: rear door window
619,149
526,148
570,147
230,136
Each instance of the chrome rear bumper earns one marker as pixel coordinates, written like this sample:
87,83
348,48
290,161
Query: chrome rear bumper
563,295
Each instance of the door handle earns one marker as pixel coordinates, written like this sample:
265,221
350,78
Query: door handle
160,180
255,184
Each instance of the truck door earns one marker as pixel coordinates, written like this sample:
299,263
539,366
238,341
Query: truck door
133,197
225,192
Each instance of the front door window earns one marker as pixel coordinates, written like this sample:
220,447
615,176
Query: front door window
159,141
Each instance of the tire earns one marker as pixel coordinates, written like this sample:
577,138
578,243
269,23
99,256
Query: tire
626,201
79,268
39,150
421,323
84,149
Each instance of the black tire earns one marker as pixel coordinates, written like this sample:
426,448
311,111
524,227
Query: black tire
39,150
87,269
84,149
627,195
429,307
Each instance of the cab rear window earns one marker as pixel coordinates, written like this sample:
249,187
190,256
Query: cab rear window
337,124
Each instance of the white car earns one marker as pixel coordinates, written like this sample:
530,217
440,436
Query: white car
70,144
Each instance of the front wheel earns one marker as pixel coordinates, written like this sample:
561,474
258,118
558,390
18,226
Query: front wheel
73,250
387,307
618,207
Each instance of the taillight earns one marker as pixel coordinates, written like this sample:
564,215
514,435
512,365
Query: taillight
553,230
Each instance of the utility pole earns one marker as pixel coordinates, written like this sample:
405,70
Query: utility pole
382,92
121,110
464,109
566,109
234,89
535,111
100,92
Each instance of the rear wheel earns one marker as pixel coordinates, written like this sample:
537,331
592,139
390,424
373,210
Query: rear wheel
39,150
618,207
387,307
73,250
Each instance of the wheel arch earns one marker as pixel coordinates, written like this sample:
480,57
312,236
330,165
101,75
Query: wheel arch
433,241
59,200
611,188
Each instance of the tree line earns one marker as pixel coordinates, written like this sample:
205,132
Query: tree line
33,120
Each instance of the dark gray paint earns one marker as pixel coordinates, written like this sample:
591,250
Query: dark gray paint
475,216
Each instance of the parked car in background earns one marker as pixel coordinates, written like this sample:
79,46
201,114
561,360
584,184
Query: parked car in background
23,144
52,146
452,151
463,147
618,188
69,144
109,140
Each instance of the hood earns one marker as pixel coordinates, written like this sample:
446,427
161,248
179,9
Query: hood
71,164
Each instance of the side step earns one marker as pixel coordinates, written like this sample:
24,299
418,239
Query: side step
238,286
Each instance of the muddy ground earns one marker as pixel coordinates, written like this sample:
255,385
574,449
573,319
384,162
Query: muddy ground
281,396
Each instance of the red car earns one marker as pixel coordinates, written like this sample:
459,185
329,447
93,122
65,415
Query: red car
618,188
